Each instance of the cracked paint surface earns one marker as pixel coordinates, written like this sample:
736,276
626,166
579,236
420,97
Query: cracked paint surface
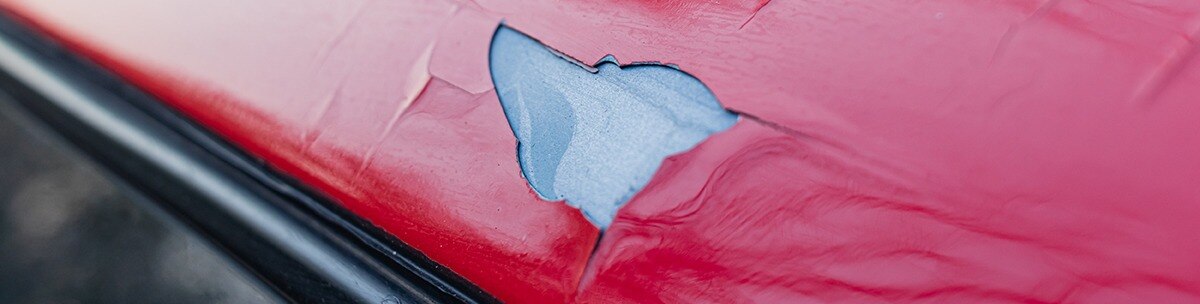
889,151
594,135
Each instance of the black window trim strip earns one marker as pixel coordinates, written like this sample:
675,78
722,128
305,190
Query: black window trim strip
299,242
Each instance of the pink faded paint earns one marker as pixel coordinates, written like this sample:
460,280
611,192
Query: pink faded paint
893,151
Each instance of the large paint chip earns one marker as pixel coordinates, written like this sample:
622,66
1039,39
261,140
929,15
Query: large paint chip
594,136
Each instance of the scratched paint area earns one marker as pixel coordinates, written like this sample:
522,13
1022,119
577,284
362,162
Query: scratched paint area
889,151
593,135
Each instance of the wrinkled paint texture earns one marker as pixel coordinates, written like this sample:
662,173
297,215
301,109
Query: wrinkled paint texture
594,135
890,151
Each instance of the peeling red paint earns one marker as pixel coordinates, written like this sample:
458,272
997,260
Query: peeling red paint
896,151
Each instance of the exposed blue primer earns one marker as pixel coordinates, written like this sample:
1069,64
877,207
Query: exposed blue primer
594,136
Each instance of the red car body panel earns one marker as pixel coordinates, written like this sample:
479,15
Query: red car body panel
912,151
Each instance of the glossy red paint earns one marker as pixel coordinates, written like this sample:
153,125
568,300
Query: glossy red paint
890,151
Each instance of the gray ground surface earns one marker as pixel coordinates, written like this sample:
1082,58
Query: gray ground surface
69,234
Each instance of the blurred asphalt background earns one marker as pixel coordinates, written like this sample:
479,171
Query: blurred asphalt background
68,234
